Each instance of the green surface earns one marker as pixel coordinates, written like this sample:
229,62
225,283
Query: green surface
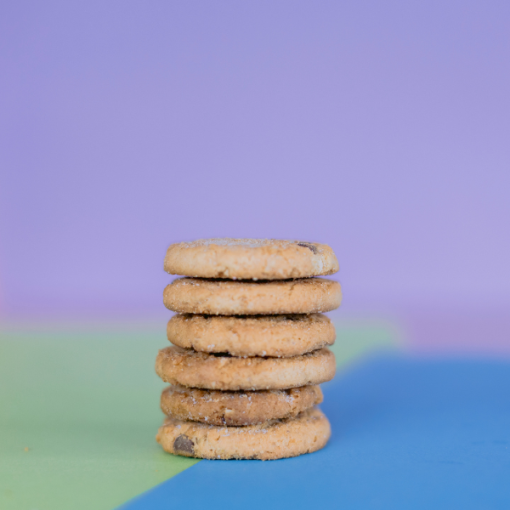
356,338
79,411
86,406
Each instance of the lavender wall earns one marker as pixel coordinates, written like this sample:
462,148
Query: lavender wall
382,128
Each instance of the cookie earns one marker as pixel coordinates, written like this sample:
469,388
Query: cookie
258,259
266,335
227,297
236,408
276,439
223,372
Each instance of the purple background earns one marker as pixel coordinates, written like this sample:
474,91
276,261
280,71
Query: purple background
381,128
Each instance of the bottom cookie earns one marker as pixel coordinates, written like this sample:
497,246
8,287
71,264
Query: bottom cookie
275,439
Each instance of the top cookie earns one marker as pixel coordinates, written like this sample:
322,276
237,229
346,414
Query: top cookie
250,259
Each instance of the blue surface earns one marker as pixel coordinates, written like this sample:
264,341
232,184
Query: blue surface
407,434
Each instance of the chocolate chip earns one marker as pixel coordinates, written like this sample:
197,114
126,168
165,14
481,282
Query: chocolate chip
309,246
184,445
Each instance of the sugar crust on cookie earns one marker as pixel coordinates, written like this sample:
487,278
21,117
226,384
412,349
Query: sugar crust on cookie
227,297
266,335
216,372
265,259
276,439
237,408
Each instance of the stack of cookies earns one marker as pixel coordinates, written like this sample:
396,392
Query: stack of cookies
249,348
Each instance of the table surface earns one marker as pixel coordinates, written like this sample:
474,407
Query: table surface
80,411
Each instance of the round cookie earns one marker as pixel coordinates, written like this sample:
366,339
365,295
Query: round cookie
266,335
223,372
227,297
276,439
258,259
237,408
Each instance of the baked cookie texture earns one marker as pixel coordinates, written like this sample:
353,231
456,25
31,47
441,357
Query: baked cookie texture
194,369
275,439
267,335
262,259
227,297
250,347
237,408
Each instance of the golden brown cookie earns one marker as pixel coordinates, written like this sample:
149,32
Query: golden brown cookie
227,297
223,372
275,439
236,408
258,259
261,335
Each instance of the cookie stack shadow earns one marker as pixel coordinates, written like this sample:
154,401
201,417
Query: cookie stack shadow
250,347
